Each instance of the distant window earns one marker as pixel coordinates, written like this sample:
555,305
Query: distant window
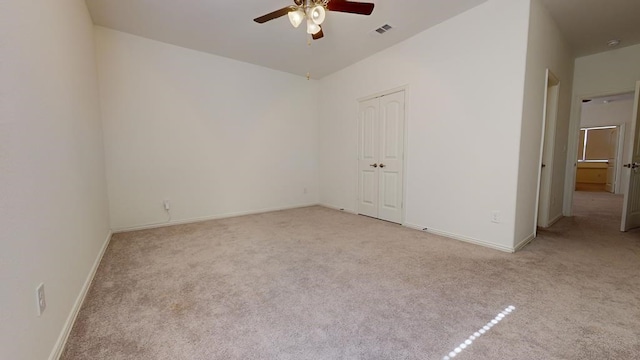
593,145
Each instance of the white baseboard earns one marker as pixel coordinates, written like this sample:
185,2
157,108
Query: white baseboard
555,220
461,238
207,218
71,319
339,209
414,227
527,240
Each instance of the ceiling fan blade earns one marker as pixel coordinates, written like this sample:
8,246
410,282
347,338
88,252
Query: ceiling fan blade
274,15
352,7
318,35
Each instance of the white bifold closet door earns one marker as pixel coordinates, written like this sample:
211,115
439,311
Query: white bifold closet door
381,124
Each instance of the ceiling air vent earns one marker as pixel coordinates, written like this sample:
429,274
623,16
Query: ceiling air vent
383,29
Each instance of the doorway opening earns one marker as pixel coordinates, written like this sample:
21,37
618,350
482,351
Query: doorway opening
599,158
604,148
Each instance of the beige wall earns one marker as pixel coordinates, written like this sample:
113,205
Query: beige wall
547,49
215,136
53,200
464,103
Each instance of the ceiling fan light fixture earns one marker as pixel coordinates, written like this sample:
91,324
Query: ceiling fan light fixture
312,28
317,14
296,17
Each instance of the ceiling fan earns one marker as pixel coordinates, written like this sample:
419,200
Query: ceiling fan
314,11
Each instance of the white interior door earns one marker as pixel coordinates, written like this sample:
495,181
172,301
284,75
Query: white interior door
381,124
631,207
391,157
610,185
368,149
546,150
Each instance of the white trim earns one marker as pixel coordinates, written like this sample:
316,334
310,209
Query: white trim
461,238
414,227
207,218
71,319
405,152
584,143
599,127
524,242
552,221
338,208
385,92
555,219
619,154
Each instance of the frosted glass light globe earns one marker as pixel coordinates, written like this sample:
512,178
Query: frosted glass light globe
317,14
296,17
312,28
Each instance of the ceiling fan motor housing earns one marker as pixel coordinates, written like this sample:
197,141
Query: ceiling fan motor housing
307,3
314,11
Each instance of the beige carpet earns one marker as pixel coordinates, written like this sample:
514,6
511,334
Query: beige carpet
316,283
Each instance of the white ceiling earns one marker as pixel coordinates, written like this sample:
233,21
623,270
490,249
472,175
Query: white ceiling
226,28
588,24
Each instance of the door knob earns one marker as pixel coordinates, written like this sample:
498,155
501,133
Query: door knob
373,165
382,165
635,165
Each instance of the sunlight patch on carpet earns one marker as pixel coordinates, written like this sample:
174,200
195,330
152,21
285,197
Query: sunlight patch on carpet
479,333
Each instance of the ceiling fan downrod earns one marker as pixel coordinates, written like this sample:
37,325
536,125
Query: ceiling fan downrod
314,12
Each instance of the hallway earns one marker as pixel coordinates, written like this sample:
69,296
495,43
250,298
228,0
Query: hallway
603,208
595,223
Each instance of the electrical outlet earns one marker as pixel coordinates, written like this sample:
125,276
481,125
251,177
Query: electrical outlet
495,217
42,302
304,191
166,204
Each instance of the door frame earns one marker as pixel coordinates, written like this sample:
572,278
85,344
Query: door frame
547,145
378,94
572,143
619,155
624,226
